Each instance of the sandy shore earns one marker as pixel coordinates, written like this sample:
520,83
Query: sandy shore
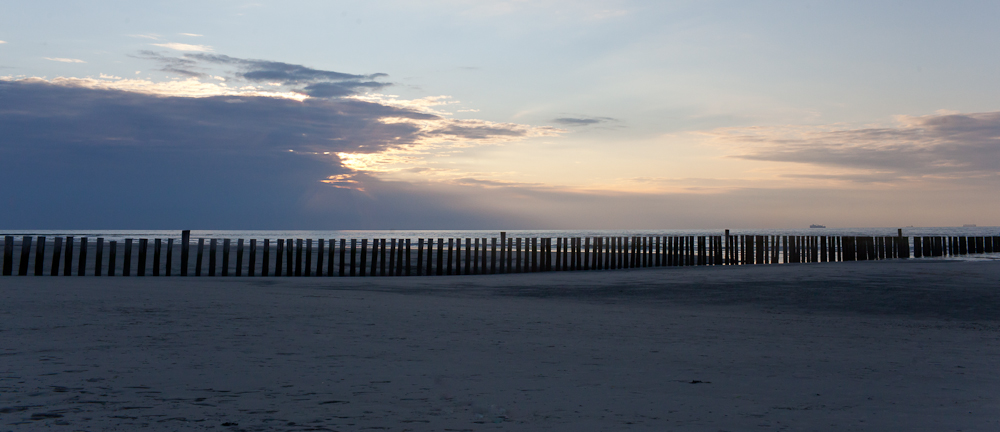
895,345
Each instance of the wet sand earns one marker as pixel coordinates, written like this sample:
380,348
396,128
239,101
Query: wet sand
893,345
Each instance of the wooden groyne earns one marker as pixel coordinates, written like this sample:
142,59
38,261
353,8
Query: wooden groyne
68,256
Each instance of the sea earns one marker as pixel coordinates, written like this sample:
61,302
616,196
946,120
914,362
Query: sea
416,234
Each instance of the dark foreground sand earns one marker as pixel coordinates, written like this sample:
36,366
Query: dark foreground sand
881,346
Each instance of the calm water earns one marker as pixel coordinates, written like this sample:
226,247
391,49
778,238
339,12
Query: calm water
415,234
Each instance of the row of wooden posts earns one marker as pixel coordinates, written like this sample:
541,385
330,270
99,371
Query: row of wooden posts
395,257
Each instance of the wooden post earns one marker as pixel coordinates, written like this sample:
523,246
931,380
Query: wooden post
759,249
170,257
343,251
517,256
503,261
157,246
475,257
606,252
56,254
185,251
8,256
430,258
265,264
574,253
407,267
379,247
252,259
307,265
439,271
592,253
126,258
468,255
22,265
598,253
559,247
510,255
917,247
143,246
363,255
451,250
98,257
329,258
399,257
212,246
571,256
393,262
40,256
239,257
112,250
354,251
531,254
279,251
822,249
298,258
320,252
226,245
199,257
420,256
68,257
493,255
289,257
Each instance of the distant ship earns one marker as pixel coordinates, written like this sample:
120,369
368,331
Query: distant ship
817,226
969,226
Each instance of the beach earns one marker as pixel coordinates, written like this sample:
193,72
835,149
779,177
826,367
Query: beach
880,345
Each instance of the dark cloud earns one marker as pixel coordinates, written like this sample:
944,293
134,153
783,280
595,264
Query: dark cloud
78,158
956,146
338,89
583,121
286,73
180,66
313,82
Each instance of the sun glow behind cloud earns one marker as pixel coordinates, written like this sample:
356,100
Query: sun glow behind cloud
191,87
184,47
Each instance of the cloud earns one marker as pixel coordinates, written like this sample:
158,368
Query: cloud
184,47
146,36
308,81
272,71
342,88
124,158
133,152
190,34
582,121
177,65
64,60
940,147
2,42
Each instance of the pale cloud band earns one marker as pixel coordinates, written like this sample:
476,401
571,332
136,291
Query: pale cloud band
64,60
945,147
176,46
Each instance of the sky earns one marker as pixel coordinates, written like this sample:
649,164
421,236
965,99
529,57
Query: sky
484,114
